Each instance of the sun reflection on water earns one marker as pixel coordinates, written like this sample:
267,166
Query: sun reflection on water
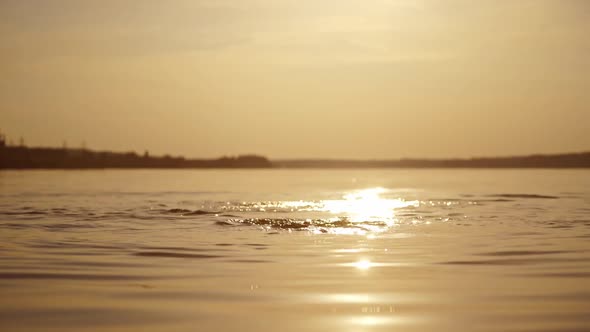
366,264
362,264
365,205
371,320
366,212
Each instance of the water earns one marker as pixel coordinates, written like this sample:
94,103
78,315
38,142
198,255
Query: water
293,250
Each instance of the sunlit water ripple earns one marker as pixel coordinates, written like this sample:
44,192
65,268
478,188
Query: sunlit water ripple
350,250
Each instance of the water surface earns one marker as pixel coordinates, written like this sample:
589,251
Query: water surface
292,250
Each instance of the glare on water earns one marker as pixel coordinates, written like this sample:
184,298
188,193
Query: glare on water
113,251
367,205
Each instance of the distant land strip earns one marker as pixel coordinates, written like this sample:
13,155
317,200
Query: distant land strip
568,160
22,157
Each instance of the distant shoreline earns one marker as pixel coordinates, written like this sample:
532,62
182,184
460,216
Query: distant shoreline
567,160
12,157
55,158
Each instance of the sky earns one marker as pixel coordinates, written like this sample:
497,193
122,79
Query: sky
358,79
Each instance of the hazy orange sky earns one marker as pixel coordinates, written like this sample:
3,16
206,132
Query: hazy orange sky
298,78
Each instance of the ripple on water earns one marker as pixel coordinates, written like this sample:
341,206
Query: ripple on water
82,317
187,212
332,225
529,196
525,252
517,261
72,276
174,255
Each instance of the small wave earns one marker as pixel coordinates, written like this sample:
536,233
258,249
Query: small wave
250,261
256,245
174,248
532,196
583,275
499,200
69,276
178,211
515,261
272,222
524,253
445,200
187,212
455,214
74,319
24,213
340,225
173,254
65,226
72,245
200,212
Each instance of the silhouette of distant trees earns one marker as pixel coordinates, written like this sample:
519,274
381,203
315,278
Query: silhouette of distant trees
20,157
571,160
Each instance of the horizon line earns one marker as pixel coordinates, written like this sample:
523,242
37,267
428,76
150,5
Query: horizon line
316,159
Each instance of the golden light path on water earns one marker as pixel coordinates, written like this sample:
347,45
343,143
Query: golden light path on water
358,206
367,206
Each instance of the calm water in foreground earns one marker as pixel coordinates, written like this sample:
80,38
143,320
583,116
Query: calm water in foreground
295,250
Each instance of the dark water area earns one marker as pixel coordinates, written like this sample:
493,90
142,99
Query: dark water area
292,250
